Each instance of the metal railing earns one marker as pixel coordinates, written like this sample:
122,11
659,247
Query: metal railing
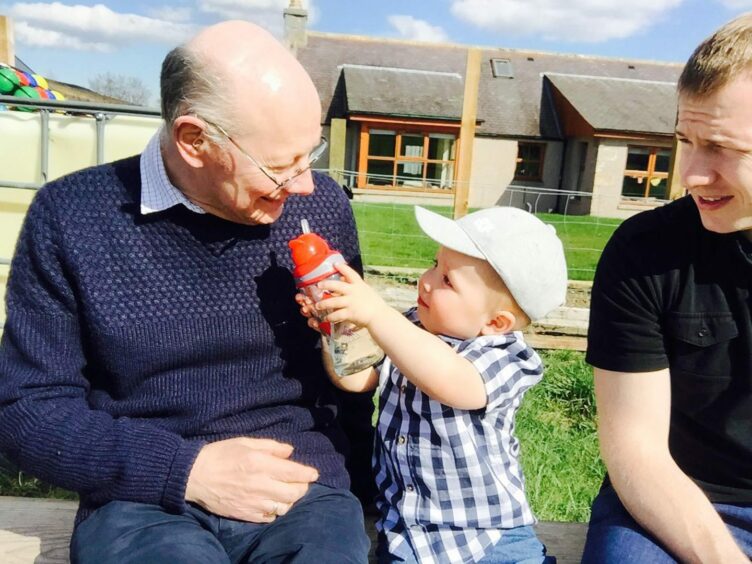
102,113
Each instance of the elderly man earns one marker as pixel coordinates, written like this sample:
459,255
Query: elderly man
153,358
671,338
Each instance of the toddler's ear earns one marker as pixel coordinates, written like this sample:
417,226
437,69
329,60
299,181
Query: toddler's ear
502,321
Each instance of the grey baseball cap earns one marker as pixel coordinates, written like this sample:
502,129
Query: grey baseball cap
523,250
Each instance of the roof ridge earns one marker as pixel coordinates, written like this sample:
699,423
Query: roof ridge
398,69
601,77
521,51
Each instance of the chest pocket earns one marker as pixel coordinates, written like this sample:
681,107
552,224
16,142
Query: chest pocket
699,347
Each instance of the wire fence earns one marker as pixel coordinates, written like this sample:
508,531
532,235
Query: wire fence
392,242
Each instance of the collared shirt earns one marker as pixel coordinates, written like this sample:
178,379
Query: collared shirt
449,479
157,192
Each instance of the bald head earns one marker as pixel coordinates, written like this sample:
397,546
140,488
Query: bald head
252,81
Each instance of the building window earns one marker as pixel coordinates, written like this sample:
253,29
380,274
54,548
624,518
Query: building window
502,68
530,161
646,173
407,158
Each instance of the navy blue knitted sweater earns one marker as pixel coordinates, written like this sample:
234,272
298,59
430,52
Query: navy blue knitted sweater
133,340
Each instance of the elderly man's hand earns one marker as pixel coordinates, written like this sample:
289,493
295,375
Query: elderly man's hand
248,479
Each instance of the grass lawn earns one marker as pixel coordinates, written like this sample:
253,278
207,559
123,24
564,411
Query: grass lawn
556,426
390,236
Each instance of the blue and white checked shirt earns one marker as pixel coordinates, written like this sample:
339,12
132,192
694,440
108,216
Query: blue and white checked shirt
449,479
157,192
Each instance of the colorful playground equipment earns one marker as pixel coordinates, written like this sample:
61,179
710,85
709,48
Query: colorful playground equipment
18,83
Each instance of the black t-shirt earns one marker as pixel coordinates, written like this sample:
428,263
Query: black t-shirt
670,294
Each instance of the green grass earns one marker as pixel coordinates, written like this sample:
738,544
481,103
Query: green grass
556,426
15,483
389,236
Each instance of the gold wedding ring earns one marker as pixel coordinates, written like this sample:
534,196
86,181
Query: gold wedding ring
273,512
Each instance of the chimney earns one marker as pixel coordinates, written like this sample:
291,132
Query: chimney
7,51
296,21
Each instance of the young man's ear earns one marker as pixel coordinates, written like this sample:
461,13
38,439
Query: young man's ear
190,141
502,322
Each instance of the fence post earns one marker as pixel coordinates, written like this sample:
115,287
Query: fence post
467,132
7,50
337,137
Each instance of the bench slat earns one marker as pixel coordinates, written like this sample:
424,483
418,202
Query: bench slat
38,531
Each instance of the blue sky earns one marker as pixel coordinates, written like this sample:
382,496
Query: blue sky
73,42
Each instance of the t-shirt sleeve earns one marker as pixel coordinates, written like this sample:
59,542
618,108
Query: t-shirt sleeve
508,370
625,333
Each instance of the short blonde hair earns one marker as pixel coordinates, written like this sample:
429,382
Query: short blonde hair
721,58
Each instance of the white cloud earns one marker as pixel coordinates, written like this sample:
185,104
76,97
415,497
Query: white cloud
37,37
419,30
737,4
266,13
171,13
575,20
93,28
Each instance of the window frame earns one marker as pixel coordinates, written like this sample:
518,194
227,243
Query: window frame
541,161
647,174
403,128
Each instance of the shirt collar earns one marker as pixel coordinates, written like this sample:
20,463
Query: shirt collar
157,192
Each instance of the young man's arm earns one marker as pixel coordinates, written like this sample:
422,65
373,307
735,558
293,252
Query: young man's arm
427,361
634,412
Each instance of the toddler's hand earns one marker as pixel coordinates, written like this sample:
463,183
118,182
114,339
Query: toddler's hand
353,299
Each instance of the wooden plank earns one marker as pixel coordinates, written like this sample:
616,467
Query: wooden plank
35,530
7,42
38,531
538,341
565,541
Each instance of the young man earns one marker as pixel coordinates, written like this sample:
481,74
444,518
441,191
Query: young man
671,334
451,487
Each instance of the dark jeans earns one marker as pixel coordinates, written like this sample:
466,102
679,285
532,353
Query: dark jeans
613,536
325,526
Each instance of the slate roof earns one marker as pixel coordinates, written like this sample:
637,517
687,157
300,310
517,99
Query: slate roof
620,105
516,107
403,93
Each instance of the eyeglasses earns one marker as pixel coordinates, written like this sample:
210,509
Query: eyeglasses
313,156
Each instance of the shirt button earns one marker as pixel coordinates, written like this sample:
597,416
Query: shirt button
403,387
702,332
409,487
401,440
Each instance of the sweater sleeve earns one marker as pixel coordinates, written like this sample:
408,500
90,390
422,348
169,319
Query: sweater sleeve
46,424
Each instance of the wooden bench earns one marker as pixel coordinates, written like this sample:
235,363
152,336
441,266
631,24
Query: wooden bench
38,531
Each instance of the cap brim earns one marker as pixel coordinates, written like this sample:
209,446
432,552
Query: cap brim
446,232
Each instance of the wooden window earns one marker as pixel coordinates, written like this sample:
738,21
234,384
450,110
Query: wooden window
646,173
530,161
406,157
